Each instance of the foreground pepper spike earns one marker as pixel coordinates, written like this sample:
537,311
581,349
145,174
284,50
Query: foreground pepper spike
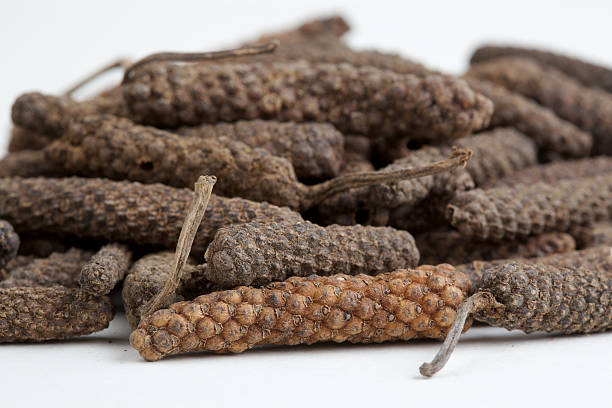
587,73
554,172
522,210
105,269
589,109
9,243
49,313
401,305
534,298
257,253
551,134
314,149
356,100
25,139
594,235
29,163
451,247
120,211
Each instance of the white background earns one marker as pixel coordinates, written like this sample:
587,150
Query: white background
46,45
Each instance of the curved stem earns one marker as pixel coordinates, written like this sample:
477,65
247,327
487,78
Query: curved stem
120,63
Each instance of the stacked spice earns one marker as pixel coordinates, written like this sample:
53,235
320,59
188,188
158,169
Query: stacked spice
327,161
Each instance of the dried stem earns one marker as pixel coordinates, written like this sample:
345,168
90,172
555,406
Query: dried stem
120,63
478,301
319,192
203,190
202,56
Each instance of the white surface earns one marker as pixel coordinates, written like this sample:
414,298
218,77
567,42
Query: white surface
46,45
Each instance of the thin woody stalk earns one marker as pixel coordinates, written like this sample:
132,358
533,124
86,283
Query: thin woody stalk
120,63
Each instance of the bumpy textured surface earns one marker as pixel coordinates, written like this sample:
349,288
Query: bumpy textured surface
400,305
594,235
105,269
148,276
24,139
60,268
589,109
528,209
256,253
29,163
38,314
551,134
584,72
498,153
314,149
17,262
356,100
451,247
557,171
9,243
106,146
41,246
120,211
546,298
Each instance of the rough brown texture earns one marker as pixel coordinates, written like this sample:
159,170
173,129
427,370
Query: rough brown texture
314,149
356,100
120,211
29,163
589,109
9,243
18,261
498,153
447,246
148,276
48,313
584,72
333,26
551,134
105,269
257,253
401,305
528,209
24,139
41,246
557,171
594,235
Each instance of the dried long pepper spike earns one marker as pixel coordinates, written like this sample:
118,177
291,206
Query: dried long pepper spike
193,219
557,171
401,305
17,262
551,134
29,163
522,210
9,243
41,246
105,269
257,253
314,149
534,298
49,313
120,211
587,73
25,139
589,109
594,235
334,26
497,154
148,276
356,100
447,246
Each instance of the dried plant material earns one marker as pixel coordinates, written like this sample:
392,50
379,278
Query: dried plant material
9,243
426,215
334,26
498,153
529,209
401,305
48,313
148,276
534,298
29,163
24,139
589,109
594,235
314,149
41,246
554,172
17,262
118,63
105,269
257,253
356,100
120,211
447,246
587,73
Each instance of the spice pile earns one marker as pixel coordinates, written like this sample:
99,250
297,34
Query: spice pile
358,197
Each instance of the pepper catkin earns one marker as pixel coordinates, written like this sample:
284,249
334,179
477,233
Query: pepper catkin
594,235
9,243
522,210
25,139
257,253
29,163
356,100
400,305
107,267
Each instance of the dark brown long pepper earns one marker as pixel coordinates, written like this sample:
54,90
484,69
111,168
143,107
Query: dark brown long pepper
120,211
401,305
355,100
105,269
522,210
589,109
9,243
551,134
29,163
25,139
594,235
587,73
